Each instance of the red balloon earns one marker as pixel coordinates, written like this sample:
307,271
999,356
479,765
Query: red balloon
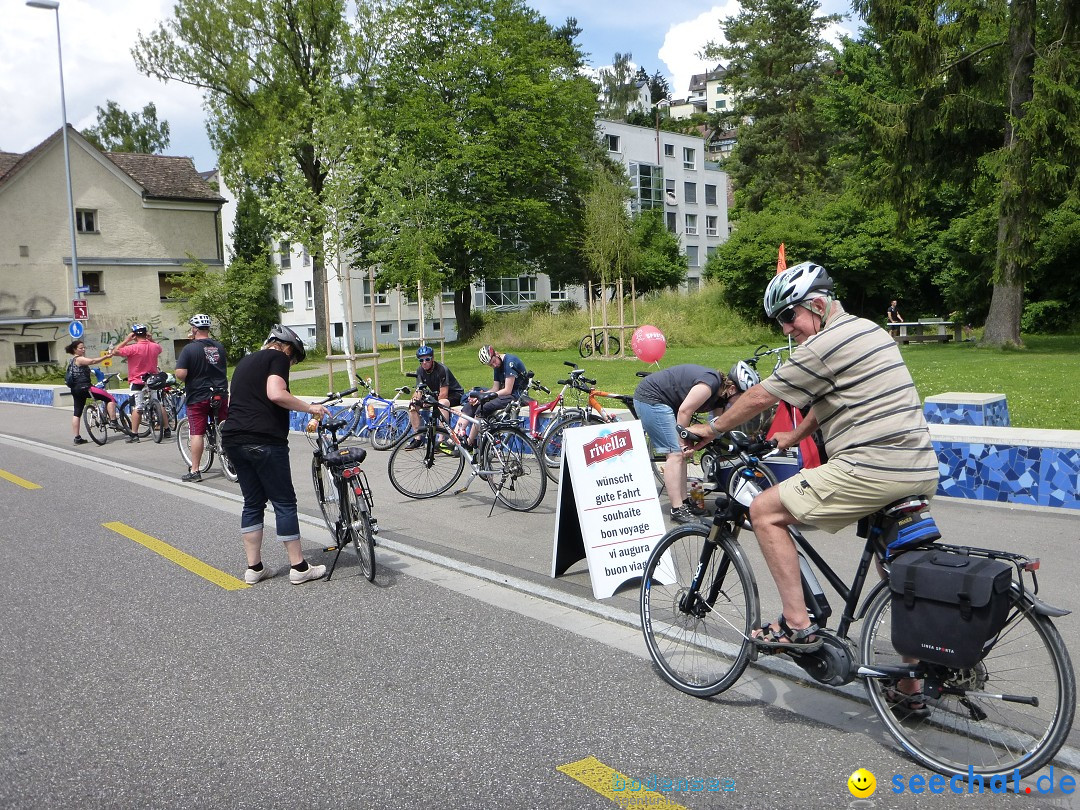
648,344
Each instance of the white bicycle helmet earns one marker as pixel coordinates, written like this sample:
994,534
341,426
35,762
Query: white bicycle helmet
794,285
200,321
283,334
485,354
744,376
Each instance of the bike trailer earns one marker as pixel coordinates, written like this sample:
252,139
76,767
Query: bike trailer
948,608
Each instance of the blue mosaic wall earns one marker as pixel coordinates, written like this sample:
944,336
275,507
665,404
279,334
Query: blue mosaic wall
29,395
994,414
1046,476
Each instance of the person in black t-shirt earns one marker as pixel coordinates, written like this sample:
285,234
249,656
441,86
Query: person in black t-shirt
440,380
202,368
256,438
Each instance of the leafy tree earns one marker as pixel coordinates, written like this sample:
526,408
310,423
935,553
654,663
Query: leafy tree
659,88
120,131
777,59
609,247
618,87
660,262
271,71
253,232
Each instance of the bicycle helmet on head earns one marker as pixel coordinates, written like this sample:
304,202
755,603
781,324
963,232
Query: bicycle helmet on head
283,334
485,354
200,321
138,329
424,351
744,376
794,285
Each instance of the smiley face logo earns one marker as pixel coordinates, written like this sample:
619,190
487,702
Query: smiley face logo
862,784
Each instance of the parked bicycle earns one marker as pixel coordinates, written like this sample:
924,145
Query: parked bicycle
212,447
375,417
95,416
342,489
1010,709
594,342
148,402
504,456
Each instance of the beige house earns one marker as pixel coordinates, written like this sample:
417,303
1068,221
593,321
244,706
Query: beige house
138,218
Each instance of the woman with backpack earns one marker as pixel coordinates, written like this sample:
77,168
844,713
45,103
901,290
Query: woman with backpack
77,378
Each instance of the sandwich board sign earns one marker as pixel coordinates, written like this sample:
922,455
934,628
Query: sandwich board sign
608,511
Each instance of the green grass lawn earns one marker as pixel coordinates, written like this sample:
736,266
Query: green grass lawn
1041,381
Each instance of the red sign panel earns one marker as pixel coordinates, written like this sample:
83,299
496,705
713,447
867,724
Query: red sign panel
82,312
607,447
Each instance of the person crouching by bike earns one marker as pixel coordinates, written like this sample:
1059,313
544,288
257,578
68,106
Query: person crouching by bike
851,373
256,438
142,359
202,368
510,381
667,400
82,389
440,380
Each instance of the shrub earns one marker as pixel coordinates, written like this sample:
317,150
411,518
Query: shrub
1046,318
49,374
568,307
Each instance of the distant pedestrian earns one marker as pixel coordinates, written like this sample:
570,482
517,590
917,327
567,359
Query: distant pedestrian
892,314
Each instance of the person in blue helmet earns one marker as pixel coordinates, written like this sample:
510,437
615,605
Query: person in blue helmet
440,380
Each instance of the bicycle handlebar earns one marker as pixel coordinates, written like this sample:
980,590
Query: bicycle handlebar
330,397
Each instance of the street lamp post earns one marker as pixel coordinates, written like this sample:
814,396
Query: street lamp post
54,5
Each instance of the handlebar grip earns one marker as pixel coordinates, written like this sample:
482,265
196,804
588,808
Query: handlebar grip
544,388
350,391
685,434
411,374
563,382
587,380
569,363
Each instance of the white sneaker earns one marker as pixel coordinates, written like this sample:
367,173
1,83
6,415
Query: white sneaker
313,572
251,577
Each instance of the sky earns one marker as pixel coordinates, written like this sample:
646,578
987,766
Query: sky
96,38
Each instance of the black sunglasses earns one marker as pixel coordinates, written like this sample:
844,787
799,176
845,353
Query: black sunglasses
788,315
427,359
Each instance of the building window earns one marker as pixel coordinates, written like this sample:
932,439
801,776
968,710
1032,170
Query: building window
672,221
380,297
710,251
612,142
691,225
559,292
86,220
339,330
720,104
710,226
692,256
693,284
688,158
447,295
690,193
710,194
28,354
311,332
92,280
305,256
511,292
646,181
285,249
669,150
436,326
410,327
384,328
286,297
309,295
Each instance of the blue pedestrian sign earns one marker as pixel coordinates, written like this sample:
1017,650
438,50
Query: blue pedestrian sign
75,329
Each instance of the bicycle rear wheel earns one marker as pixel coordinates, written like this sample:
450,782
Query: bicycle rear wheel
227,466
391,428
969,724
517,474
551,443
327,495
155,417
425,472
96,422
700,640
585,346
363,538
183,442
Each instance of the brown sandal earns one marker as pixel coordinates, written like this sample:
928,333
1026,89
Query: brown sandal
782,638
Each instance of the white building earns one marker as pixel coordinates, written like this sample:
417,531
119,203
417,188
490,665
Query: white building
706,94
668,170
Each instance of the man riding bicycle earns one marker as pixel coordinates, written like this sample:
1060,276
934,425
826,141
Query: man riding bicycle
202,368
850,371
439,380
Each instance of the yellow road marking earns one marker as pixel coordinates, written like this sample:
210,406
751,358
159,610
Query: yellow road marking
595,775
192,564
22,482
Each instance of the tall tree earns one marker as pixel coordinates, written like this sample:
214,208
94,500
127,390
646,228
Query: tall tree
659,88
777,59
608,246
618,87
660,262
269,70
120,131
486,128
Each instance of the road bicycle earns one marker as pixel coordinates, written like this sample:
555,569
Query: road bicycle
153,421
594,342
504,456
95,415
342,489
212,447
374,417
1013,709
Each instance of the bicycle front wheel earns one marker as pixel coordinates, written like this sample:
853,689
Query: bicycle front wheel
514,469
227,467
390,429
763,478
585,346
96,422
155,416
326,494
551,443
699,636
1013,710
363,538
426,471
127,407
183,442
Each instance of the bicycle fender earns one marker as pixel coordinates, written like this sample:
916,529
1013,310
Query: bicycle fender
1039,606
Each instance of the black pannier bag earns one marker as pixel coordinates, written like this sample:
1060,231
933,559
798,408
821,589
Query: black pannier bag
948,608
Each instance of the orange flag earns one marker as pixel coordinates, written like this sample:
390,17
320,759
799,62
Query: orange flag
781,260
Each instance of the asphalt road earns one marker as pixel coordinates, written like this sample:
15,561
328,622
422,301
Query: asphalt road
464,676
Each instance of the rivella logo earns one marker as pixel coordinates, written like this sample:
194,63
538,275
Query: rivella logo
606,447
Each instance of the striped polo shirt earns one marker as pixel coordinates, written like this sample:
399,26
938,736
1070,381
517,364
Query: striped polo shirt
863,397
